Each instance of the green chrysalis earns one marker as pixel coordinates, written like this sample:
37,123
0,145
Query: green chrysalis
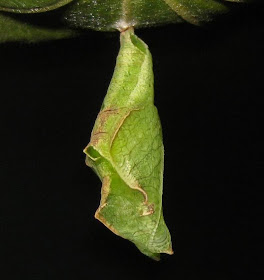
126,152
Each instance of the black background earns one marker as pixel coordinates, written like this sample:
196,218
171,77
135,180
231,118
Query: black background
205,79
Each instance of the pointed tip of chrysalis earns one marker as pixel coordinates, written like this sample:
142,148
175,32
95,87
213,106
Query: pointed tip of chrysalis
169,252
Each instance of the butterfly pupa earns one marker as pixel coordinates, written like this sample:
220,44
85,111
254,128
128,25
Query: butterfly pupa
126,152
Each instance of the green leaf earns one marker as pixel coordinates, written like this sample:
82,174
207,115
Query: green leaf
126,152
112,15
116,14
196,11
13,29
120,14
31,6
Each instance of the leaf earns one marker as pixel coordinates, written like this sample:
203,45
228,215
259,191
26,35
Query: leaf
31,6
196,11
13,29
107,15
120,14
126,152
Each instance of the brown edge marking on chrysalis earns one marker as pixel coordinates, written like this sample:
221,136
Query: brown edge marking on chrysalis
104,194
101,119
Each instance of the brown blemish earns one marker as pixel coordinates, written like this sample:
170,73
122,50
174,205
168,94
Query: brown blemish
100,218
99,132
104,194
149,210
105,191
102,117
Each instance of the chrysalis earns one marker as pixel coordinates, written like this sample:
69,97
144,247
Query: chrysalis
126,152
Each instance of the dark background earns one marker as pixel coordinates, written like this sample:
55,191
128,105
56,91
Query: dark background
205,79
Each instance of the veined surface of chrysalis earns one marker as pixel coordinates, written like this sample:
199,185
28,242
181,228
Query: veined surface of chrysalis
126,152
